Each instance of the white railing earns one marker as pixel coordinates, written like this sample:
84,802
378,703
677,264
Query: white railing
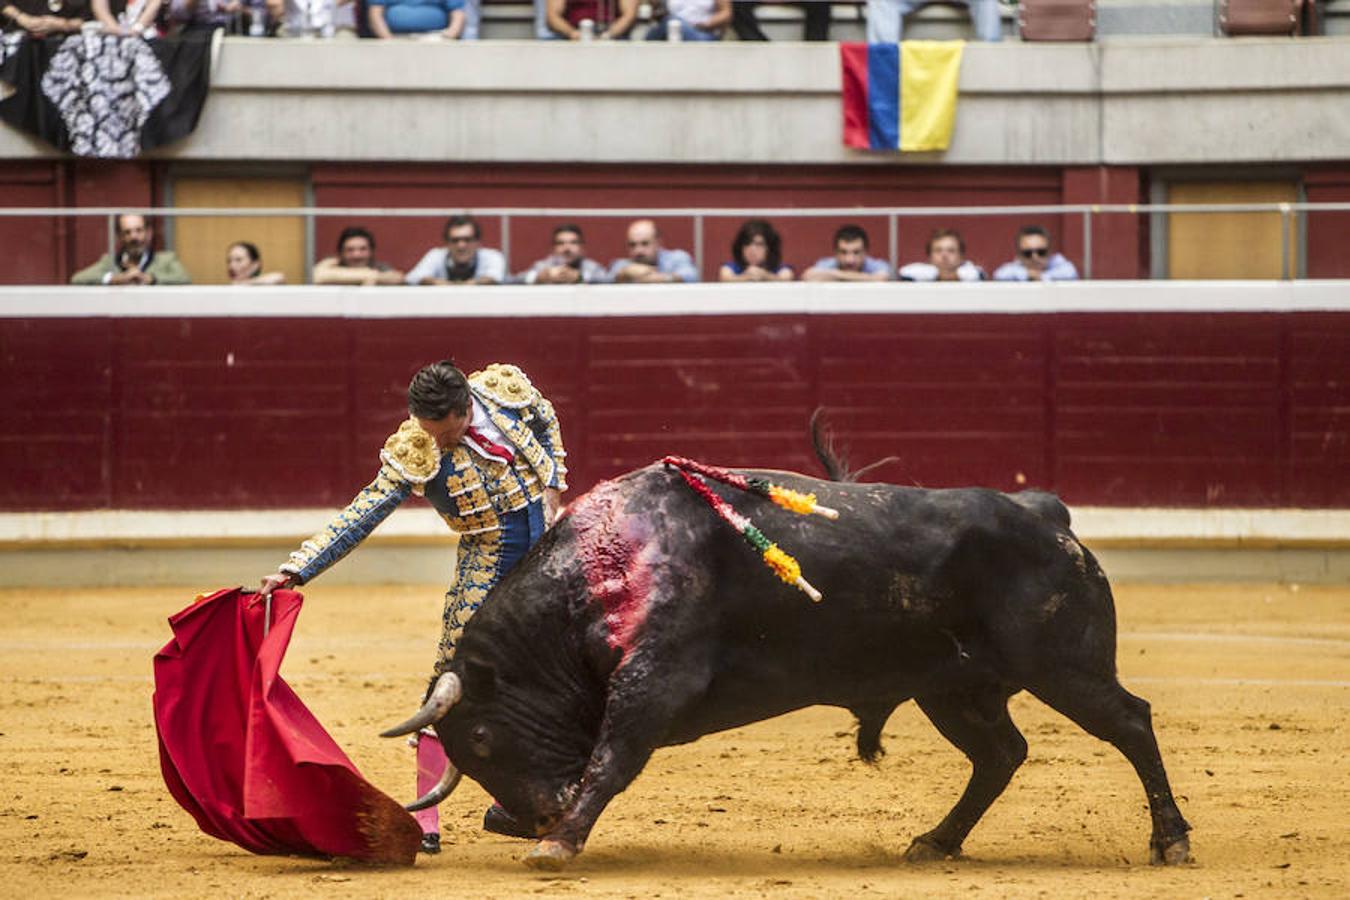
1088,213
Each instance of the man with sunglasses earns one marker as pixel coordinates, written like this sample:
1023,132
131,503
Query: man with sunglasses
462,260
1034,260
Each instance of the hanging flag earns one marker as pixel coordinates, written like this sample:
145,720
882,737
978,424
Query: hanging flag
900,96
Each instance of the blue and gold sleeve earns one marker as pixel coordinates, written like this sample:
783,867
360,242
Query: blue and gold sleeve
410,458
349,527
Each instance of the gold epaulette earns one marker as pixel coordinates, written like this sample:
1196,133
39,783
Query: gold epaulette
506,385
413,453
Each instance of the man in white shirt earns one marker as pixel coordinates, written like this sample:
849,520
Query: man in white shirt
462,260
946,251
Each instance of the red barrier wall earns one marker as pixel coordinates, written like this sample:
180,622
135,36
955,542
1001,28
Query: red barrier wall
1185,409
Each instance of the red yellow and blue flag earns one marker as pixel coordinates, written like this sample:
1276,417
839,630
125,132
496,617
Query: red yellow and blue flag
900,96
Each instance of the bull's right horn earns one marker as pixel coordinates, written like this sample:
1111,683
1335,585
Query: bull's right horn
443,789
444,695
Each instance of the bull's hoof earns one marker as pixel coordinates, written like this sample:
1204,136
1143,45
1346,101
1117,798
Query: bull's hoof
924,849
549,856
1174,854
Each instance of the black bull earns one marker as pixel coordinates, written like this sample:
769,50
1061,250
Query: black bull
642,620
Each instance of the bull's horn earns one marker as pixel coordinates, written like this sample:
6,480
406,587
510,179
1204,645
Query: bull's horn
444,695
443,789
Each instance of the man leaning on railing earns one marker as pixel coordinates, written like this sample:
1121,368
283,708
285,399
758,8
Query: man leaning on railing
136,261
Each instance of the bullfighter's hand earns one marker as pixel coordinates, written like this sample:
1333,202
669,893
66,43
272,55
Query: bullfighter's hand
274,581
553,505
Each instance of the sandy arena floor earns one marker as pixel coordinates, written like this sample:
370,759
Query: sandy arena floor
1250,687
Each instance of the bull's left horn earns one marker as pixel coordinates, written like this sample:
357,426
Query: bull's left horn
444,695
443,789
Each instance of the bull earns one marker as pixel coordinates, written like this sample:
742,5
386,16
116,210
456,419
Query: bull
640,621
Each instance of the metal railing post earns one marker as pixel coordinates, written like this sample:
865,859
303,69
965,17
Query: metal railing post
1087,241
1284,242
698,244
112,238
506,240
893,241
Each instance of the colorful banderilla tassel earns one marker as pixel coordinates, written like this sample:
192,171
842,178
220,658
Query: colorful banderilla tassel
803,504
782,564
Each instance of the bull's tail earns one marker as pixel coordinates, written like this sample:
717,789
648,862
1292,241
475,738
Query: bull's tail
833,461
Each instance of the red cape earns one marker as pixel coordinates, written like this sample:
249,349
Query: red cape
243,755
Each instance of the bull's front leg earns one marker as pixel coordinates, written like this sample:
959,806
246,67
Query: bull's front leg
635,716
612,767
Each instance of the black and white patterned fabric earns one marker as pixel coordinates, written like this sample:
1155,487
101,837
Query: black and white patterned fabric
106,96
9,44
105,87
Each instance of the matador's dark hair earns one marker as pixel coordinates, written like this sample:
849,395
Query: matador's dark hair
438,390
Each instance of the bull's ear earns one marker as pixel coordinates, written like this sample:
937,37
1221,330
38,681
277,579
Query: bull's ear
480,681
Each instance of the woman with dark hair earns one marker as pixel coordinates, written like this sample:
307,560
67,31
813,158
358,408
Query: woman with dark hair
243,265
756,255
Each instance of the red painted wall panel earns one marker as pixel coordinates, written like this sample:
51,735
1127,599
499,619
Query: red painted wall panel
1181,406
1112,408
57,390
1327,254
32,245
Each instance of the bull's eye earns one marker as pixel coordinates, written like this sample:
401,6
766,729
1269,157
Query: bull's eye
480,741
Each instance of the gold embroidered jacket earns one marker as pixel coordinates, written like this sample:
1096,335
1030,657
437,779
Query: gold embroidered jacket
469,491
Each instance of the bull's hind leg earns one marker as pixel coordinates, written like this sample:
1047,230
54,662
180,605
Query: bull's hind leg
1106,710
977,722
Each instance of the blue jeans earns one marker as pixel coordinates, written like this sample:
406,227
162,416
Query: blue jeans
886,19
658,32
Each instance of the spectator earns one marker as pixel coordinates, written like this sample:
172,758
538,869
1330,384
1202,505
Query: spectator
36,17
1034,260
194,14
568,264
443,18
700,20
307,18
756,255
746,25
886,19
650,263
946,251
850,261
136,261
355,262
564,17
461,260
136,17
243,265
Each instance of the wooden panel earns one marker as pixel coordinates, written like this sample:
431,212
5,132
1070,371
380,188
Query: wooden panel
666,385
1228,245
1319,411
1183,407
217,413
56,403
201,243
1115,409
1326,231
958,399
34,248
